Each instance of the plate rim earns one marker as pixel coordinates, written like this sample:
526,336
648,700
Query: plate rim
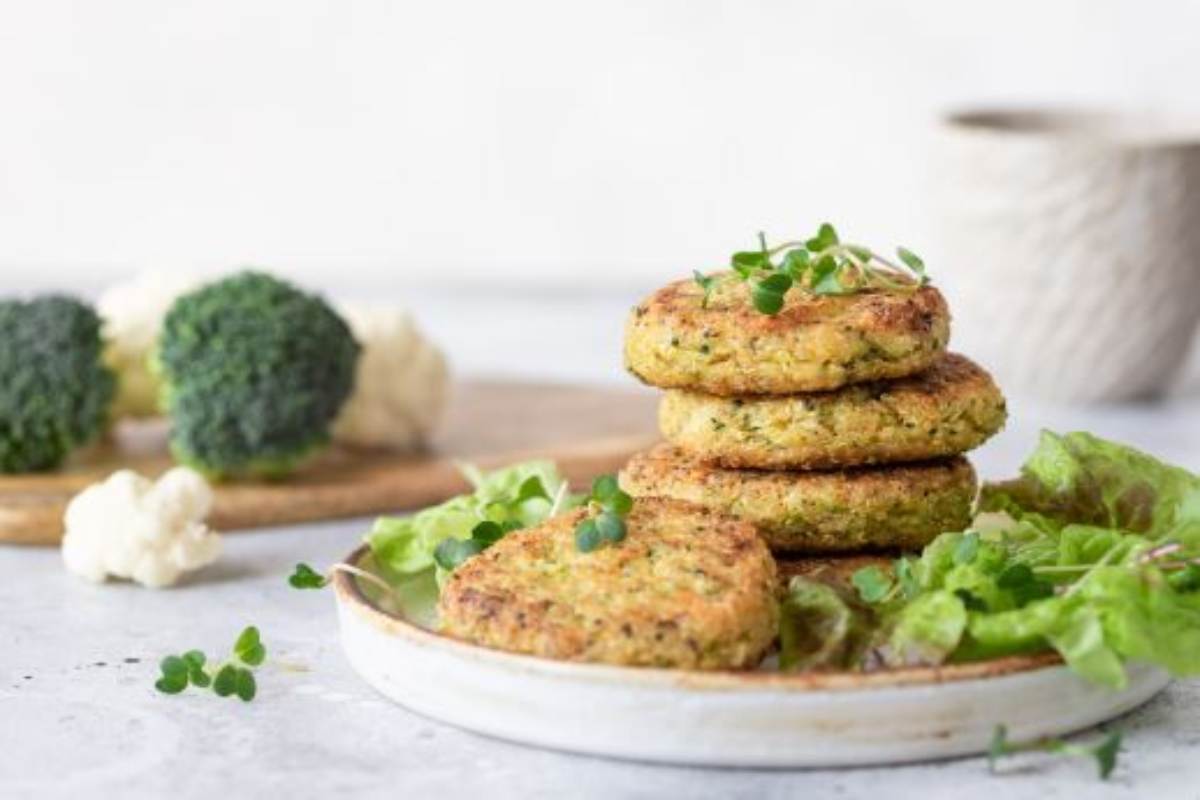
348,593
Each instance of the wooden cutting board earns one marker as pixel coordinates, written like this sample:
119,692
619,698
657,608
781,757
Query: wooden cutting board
587,431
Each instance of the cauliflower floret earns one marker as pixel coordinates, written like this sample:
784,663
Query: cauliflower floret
401,387
132,527
133,313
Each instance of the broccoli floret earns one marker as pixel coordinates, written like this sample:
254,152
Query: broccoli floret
254,372
55,389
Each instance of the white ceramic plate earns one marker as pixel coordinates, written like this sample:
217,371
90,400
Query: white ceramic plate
744,719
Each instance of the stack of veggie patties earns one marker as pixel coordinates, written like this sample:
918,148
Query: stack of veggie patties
835,425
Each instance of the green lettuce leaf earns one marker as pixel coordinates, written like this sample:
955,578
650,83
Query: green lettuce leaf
522,494
926,630
1080,478
820,628
1114,614
1093,552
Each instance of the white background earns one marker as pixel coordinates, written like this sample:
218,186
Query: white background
369,145
519,172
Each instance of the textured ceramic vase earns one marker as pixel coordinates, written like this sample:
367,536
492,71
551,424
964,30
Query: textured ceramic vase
1071,247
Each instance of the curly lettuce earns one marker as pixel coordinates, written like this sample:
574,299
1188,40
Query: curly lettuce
514,497
821,627
1078,478
1094,552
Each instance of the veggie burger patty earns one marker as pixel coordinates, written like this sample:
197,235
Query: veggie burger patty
816,343
685,588
952,407
898,506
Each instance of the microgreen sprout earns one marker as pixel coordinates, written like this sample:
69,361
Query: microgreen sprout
820,265
451,553
1105,752
305,577
707,283
234,676
608,506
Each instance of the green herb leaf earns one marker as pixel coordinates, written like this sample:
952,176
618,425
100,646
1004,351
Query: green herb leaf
1105,752
605,487
530,488
747,263
607,493
826,237
196,674
174,675
766,301
244,685
171,685
826,278
173,666
707,283
485,534
248,648
778,282
305,577
768,293
225,681
232,677
451,553
823,265
872,584
610,527
913,262
619,504
587,535
795,263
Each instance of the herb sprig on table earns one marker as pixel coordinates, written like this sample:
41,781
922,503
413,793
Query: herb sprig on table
1104,752
305,577
608,506
233,676
821,265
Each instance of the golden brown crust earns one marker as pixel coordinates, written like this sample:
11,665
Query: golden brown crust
901,506
951,408
686,588
816,343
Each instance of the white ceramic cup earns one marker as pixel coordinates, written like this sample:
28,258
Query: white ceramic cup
1070,247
